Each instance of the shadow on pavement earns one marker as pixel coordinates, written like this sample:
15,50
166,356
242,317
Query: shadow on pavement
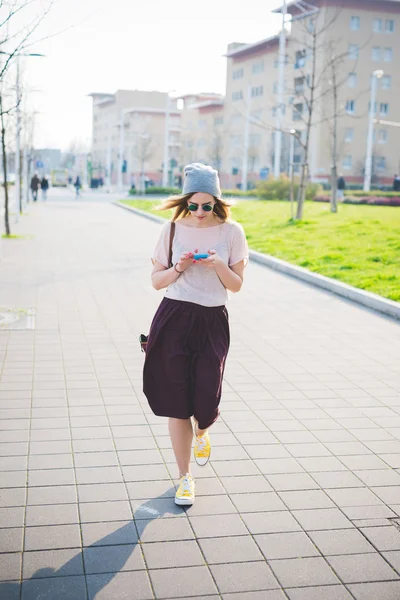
67,582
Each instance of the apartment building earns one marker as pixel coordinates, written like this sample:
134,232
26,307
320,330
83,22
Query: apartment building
134,121
350,41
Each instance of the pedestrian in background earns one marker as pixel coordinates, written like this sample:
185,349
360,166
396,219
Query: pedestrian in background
341,186
44,186
77,186
189,337
35,183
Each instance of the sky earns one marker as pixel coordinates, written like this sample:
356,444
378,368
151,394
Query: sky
104,45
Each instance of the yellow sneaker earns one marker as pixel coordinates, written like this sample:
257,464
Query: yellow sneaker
202,449
185,493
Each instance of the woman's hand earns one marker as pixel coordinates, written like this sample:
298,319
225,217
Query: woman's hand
213,261
185,261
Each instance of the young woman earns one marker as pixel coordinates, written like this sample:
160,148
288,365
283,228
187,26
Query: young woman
189,336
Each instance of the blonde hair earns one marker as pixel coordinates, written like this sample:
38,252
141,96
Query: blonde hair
179,204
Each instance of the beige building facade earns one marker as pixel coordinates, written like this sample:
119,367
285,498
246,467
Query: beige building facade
332,50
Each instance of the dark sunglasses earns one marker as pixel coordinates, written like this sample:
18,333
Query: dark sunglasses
194,207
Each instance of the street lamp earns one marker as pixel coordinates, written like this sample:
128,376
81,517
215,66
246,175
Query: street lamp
293,135
370,139
166,139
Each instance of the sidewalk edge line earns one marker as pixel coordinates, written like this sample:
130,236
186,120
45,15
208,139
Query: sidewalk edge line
367,299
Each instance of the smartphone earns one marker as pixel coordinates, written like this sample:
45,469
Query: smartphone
198,256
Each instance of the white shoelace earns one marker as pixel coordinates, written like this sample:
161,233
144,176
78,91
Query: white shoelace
186,487
201,442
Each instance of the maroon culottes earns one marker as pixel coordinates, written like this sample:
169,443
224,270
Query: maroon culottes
185,360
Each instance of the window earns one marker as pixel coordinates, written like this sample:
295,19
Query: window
352,80
255,139
386,82
236,140
257,91
380,163
237,95
376,53
297,112
258,67
218,120
355,23
389,26
347,161
353,51
351,107
388,54
382,136
378,26
301,56
384,109
349,135
299,85
275,87
238,74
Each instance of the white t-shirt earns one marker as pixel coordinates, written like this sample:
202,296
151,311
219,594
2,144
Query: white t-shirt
200,284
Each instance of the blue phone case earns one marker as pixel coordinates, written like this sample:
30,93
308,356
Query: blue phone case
198,256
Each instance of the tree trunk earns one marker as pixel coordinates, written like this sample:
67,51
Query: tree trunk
334,139
4,155
334,188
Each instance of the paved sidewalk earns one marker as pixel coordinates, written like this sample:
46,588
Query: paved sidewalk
301,498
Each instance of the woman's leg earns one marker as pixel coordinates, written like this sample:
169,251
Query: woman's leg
181,434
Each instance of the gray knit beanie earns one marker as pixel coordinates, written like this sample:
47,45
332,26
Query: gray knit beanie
201,178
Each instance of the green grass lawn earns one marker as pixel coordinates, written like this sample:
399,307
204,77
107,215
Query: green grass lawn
359,245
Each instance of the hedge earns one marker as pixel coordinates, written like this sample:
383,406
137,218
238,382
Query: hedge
372,200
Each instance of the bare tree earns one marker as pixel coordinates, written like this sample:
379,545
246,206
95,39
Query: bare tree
216,147
17,29
143,152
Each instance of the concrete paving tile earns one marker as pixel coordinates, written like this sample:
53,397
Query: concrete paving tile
49,435
383,538
52,537
60,494
389,590
10,567
393,558
44,477
212,505
52,514
13,479
354,497
145,472
13,463
368,512
296,481
88,475
298,572
93,445
113,559
65,588
217,525
360,568
12,497
101,492
270,522
340,542
337,479
12,517
306,499
286,545
165,530
124,586
256,502
388,494
152,489
109,533
230,549
47,461
94,512
264,595
95,459
327,592
235,468
13,449
267,451
245,484
138,457
182,582
155,508
52,563
243,577
58,447
322,518
270,466
11,539
160,555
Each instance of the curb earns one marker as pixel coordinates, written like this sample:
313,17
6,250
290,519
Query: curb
367,299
